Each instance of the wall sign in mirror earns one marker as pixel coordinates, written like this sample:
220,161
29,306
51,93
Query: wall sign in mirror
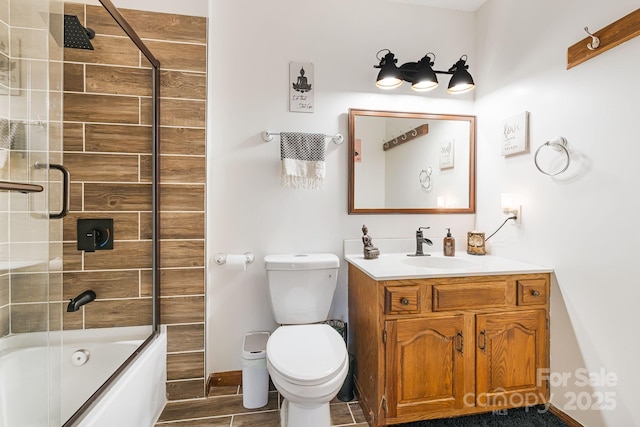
389,153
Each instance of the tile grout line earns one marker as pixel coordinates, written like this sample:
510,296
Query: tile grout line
351,412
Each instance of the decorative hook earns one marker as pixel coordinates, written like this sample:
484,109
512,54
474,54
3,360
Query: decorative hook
595,41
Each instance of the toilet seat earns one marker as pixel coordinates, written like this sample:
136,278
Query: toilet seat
307,354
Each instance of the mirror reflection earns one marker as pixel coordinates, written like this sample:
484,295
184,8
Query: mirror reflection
411,162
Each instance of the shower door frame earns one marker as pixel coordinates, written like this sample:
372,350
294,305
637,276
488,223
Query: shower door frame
155,207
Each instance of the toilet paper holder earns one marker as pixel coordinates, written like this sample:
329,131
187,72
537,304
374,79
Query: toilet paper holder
221,258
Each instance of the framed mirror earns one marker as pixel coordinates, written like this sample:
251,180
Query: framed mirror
411,162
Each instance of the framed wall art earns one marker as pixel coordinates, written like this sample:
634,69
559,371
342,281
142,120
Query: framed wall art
447,149
515,134
301,87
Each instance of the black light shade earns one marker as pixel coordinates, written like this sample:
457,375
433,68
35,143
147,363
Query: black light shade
461,81
389,76
425,78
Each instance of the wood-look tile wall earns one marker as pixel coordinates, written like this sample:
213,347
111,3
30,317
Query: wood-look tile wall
107,147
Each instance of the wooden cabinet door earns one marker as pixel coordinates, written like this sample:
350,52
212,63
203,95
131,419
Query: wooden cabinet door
426,365
511,351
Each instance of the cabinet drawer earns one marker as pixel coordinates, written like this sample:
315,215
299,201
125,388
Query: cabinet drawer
470,296
532,292
401,299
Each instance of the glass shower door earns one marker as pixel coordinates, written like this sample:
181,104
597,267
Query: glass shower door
30,242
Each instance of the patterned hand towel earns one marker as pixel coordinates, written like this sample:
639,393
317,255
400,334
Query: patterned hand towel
303,156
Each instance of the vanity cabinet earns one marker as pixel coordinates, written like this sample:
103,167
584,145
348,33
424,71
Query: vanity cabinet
441,347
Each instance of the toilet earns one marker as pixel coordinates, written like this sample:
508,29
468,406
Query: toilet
307,360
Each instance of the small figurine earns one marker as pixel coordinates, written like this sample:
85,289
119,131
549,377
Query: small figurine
370,251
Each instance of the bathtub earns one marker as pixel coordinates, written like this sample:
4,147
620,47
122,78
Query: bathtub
81,365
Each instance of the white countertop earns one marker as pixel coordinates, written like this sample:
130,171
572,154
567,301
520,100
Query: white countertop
396,266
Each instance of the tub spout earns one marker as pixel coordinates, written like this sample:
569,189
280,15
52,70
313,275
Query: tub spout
84,298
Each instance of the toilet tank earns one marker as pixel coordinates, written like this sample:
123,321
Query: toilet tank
301,286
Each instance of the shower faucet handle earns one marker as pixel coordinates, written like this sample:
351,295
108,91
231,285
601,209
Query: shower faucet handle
95,234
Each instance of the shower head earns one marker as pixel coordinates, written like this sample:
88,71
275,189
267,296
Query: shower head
75,35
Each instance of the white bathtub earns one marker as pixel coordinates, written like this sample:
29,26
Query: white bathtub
28,369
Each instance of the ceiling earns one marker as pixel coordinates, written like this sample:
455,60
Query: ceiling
467,5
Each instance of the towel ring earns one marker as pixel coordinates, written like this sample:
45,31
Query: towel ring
557,144
425,178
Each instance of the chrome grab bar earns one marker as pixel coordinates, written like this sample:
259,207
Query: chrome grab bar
66,187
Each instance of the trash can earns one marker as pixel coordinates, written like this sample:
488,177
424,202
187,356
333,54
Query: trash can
346,391
255,378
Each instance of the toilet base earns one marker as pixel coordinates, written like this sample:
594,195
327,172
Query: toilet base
299,415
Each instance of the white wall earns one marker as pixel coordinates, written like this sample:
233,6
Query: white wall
370,172
251,45
581,222
409,159
190,7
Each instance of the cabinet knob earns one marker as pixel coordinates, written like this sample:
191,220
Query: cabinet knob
404,301
535,293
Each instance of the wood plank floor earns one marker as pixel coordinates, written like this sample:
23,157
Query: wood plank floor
224,409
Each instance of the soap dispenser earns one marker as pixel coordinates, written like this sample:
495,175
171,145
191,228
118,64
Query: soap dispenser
449,244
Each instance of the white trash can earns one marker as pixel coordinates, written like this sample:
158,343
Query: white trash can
255,377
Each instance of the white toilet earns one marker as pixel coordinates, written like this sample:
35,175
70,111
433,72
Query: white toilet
308,362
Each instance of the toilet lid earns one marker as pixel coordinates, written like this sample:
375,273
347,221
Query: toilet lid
307,354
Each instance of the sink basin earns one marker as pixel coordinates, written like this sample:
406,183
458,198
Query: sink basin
439,262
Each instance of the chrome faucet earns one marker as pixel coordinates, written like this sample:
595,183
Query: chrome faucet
420,239
84,298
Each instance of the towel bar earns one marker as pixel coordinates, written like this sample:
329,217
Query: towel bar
268,136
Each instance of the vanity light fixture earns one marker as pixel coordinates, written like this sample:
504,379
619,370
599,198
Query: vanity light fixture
420,74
